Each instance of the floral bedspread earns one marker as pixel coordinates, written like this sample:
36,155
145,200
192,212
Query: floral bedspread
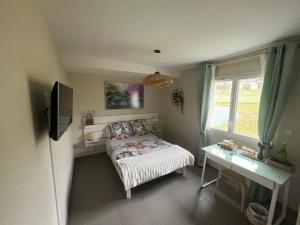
135,147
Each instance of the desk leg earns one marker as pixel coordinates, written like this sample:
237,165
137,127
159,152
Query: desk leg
203,170
284,203
219,177
273,204
203,174
128,194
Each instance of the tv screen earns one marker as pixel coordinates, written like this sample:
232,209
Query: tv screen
61,110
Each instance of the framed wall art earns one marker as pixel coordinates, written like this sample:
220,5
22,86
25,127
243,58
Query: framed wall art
123,95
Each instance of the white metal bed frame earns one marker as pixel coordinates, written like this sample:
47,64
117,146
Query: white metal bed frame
128,191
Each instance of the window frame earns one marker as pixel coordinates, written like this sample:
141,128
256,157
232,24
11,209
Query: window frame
230,133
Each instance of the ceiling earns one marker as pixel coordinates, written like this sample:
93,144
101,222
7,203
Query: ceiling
119,35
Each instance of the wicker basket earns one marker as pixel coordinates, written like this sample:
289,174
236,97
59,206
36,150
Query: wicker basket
257,214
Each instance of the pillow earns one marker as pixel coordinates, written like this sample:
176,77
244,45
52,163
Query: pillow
127,128
138,128
119,130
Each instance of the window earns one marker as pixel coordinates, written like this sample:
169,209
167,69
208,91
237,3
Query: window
222,102
236,106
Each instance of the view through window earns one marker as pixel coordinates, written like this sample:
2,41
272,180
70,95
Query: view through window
237,114
247,109
222,102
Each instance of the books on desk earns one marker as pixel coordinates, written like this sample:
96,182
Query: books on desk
228,145
249,152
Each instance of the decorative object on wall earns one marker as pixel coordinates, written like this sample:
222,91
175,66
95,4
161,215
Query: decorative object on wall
123,95
87,117
157,79
177,98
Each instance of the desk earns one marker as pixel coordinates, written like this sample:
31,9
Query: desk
271,177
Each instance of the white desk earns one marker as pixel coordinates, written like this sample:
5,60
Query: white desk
264,174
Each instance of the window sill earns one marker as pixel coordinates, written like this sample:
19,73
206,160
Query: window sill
238,137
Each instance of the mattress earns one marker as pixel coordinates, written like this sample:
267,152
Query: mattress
140,159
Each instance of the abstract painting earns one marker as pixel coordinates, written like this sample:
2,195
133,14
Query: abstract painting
123,95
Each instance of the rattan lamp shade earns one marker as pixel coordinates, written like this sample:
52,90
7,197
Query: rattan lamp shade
158,80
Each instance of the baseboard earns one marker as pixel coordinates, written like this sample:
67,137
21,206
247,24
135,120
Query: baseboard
87,153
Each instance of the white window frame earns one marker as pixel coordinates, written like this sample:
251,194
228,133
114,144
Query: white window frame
233,104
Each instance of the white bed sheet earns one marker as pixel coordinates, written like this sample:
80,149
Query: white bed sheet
135,170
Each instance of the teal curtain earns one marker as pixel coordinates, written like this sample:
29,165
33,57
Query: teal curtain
204,84
280,73
269,114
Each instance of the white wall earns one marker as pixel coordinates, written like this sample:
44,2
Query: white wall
183,129
63,170
29,65
290,121
89,95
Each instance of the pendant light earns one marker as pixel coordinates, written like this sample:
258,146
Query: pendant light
157,79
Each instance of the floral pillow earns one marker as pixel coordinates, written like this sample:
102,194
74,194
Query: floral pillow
119,130
126,127
138,128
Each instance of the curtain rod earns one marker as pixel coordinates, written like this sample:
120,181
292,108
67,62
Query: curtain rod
254,52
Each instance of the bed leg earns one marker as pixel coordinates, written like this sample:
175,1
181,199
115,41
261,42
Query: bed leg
128,194
181,171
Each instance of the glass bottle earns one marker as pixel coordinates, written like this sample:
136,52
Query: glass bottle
282,154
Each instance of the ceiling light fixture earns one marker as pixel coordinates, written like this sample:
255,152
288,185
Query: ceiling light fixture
157,79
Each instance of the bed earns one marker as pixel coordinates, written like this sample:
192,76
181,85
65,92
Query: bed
139,159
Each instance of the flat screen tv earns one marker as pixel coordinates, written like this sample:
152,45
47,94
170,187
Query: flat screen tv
61,110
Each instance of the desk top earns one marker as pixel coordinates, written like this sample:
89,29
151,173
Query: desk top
260,168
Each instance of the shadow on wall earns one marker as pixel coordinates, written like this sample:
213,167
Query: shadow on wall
39,94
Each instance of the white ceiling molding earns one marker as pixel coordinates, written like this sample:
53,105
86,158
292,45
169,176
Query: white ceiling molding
76,63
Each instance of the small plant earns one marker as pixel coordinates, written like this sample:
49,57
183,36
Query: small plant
177,98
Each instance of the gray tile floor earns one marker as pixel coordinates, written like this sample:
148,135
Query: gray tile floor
98,198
